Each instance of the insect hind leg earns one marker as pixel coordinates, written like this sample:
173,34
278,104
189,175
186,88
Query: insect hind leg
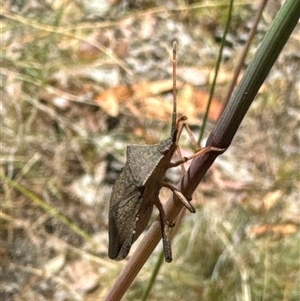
180,196
165,232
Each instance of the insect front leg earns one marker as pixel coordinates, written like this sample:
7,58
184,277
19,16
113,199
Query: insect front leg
199,152
185,126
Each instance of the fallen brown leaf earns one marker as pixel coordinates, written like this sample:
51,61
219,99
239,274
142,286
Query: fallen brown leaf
284,229
109,100
201,99
143,96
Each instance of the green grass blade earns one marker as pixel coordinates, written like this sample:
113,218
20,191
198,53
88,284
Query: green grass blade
49,209
256,73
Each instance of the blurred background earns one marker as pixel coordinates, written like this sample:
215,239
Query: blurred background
80,80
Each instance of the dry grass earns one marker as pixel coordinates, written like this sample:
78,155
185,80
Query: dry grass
63,152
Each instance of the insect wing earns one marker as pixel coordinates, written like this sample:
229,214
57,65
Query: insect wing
124,207
122,224
127,219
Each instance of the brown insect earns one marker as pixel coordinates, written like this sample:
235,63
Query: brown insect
138,186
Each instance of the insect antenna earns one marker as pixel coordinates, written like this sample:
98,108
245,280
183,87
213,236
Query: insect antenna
174,115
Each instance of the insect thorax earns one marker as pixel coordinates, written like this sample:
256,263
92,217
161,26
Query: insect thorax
165,145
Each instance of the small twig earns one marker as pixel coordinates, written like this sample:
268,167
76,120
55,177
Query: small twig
216,72
241,61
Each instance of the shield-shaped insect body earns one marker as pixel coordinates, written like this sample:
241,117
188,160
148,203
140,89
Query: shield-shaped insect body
137,189
135,192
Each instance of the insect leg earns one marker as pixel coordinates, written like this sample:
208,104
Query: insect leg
205,150
165,232
180,196
180,126
196,154
189,131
